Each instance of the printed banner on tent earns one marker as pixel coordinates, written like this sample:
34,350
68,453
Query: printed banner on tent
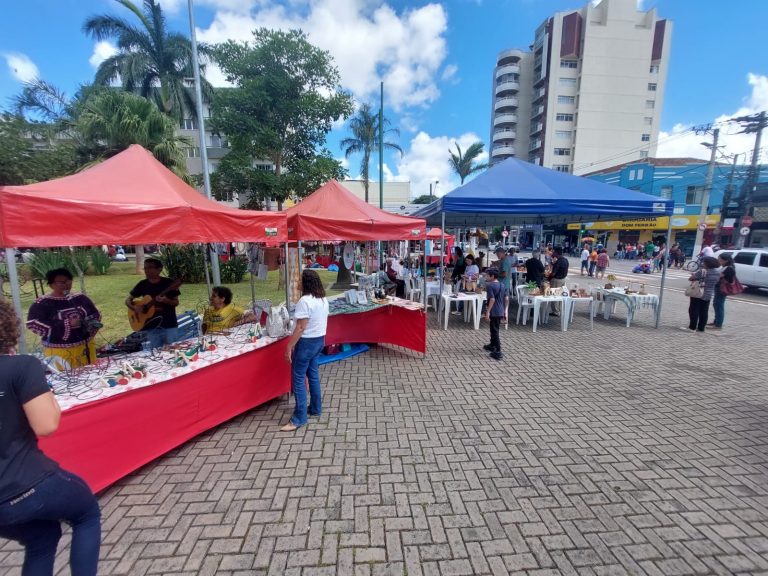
656,223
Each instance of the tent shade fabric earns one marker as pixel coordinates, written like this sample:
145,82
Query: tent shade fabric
437,233
333,213
130,198
517,192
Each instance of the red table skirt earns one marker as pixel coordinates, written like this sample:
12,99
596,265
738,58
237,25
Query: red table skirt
385,325
105,440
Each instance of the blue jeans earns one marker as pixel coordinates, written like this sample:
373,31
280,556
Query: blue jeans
34,520
305,365
718,303
159,337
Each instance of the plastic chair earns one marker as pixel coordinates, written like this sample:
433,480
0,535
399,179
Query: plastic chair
414,292
524,304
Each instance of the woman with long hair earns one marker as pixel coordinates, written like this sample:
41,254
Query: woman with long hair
727,274
698,309
304,349
35,494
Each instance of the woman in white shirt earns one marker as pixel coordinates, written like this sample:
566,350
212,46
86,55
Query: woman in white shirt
304,349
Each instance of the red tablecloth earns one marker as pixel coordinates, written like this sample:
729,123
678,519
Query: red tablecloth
105,440
385,325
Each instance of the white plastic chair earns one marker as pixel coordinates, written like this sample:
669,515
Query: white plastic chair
524,304
414,290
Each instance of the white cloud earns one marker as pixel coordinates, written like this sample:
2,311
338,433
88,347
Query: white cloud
449,74
427,161
101,51
21,66
680,142
368,42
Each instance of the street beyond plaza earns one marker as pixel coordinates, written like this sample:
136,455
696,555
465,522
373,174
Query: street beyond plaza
613,451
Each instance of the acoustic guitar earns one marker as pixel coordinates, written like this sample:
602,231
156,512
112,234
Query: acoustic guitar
139,319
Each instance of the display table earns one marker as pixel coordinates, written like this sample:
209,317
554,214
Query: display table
104,440
633,302
473,305
539,301
400,322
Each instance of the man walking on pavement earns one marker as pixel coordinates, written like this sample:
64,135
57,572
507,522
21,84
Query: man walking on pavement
558,275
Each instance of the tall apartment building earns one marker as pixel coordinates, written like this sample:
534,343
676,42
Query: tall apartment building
589,93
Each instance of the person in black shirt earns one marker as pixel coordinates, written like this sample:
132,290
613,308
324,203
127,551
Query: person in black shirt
35,494
558,274
534,269
162,327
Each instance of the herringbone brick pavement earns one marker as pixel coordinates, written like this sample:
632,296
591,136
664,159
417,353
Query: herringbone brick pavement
615,451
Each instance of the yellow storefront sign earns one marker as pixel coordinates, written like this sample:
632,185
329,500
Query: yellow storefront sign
657,223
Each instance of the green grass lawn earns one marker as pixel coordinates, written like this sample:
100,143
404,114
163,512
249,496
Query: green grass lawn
109,292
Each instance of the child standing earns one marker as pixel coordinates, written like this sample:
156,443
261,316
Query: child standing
498,303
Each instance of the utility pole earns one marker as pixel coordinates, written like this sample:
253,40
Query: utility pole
705,197
727,197
754,123
431,195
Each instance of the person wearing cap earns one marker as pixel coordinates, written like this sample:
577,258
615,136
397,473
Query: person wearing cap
504,266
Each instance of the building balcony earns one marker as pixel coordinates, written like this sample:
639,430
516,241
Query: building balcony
535,144
537,111
508,102
503,151
539,93
507,69
507,86
536,127
501,119
504,134
217,152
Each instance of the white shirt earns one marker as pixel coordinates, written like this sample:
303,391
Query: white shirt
472,271
707,251
585,254
316,310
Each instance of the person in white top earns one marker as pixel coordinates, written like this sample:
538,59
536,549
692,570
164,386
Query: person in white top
707,251
585,260
304,348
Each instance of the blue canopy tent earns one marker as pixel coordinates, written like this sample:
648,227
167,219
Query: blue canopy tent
514,192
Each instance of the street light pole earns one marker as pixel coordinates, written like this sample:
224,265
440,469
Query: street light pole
705,197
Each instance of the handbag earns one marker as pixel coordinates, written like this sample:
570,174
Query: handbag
731,288
695,289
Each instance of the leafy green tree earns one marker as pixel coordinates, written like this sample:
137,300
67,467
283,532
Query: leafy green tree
110,121
286,98
151,61
365,140
463,164
423,199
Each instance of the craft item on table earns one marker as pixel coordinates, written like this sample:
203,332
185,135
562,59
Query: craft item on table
180,359
278,322
135,370
254,333
362,297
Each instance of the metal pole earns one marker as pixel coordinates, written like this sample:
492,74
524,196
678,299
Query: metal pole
285,272
745,199
441,268
201,131
664,271
13,280
707,191
381,160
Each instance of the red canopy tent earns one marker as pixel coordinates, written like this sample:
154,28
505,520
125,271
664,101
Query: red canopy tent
333,213
129,199
436,234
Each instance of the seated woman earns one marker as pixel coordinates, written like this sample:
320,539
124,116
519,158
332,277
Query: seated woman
385,279
471,273
222,314
66,323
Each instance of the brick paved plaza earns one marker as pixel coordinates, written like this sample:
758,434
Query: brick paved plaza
616,451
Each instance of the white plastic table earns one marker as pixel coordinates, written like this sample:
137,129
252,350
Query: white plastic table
565,309
633,302
473,305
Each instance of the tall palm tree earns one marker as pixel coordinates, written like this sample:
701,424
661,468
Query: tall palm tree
464,164
365,139
151,61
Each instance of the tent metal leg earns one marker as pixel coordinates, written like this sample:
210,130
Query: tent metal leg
13,280
664,272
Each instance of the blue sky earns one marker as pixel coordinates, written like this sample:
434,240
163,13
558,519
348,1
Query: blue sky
436,59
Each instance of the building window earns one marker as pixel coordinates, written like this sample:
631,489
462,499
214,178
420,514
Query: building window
648,121
652,86
562,167
666,192
188,124
694,195
564,134
639,173
564,117
643,153
567,81
645,138
569,64
193,152
654,69
566,99
215,141
562,151
265,167
632,174
650,104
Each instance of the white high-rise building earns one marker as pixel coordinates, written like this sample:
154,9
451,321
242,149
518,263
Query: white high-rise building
589,94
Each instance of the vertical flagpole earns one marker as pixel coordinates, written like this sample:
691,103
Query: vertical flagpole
381,159
201,131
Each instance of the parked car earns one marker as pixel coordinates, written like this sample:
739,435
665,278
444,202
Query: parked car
751,265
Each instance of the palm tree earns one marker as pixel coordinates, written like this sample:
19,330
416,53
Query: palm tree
463,164
365,139
151,61
111,120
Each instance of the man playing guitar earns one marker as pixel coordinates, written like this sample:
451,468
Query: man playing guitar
152,304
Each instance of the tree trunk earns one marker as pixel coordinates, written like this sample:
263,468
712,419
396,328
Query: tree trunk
139,259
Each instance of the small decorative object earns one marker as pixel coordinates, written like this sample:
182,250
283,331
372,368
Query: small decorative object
642,291
611,277
180,359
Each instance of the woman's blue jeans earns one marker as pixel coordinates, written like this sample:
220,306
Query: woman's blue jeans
305,365
34,520
718,303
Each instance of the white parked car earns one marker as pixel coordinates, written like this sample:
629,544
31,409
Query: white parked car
751,265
